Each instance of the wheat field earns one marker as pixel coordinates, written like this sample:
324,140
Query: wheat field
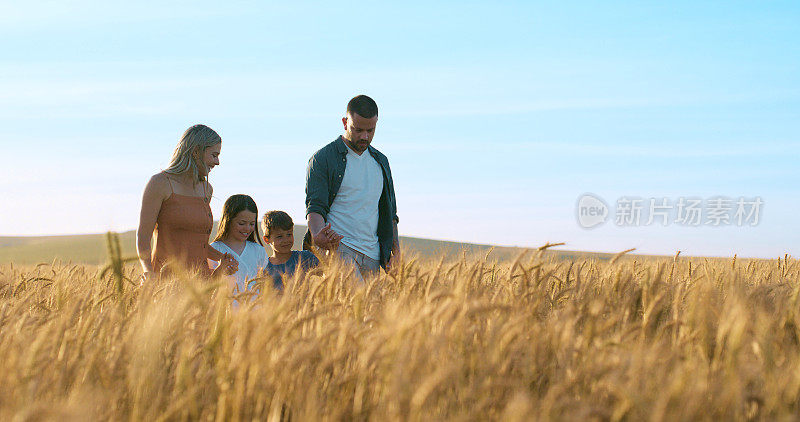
536,338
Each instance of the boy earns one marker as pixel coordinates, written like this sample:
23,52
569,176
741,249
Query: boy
279,234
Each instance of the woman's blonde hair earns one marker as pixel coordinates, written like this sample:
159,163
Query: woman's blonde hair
196,139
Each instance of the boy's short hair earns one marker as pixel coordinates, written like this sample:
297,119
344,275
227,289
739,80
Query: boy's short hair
276,220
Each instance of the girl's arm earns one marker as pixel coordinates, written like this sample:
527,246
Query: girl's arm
153,196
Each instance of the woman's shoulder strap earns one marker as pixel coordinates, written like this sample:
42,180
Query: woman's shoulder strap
169,180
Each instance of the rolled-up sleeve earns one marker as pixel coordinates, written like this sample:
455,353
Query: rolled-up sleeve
317,186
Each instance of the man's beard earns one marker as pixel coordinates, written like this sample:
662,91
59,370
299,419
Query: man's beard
355,146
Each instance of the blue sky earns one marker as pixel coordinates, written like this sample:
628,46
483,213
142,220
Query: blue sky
495,117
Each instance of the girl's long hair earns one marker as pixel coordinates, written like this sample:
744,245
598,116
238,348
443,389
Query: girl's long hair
234,205
196,139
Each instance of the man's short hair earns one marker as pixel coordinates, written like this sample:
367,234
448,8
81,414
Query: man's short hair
276,220
363,106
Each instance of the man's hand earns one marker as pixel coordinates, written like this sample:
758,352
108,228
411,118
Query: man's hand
326,238
395,261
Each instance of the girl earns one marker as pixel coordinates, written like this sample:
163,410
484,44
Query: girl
238,235
175,209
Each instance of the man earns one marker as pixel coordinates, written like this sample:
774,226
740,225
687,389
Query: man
350,201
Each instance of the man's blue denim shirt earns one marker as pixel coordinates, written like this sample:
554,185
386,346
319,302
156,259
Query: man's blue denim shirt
324,178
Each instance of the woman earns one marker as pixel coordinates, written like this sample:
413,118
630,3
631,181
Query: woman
175,207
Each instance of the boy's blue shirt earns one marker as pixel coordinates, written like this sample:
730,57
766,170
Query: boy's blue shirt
306,259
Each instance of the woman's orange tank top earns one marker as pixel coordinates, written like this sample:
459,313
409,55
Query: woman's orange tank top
182,232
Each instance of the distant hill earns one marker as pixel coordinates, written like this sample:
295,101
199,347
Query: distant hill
91,248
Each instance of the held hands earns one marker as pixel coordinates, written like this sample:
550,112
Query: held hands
326,238
229,264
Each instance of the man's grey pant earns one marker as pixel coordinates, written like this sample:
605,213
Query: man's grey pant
364,265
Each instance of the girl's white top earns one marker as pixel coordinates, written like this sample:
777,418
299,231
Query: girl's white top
251,261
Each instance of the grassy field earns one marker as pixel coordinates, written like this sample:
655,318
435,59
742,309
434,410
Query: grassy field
91,248
536,338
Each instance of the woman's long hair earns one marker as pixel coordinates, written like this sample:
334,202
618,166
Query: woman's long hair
234,205
196,139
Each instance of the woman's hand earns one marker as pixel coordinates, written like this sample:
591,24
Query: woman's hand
229,264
